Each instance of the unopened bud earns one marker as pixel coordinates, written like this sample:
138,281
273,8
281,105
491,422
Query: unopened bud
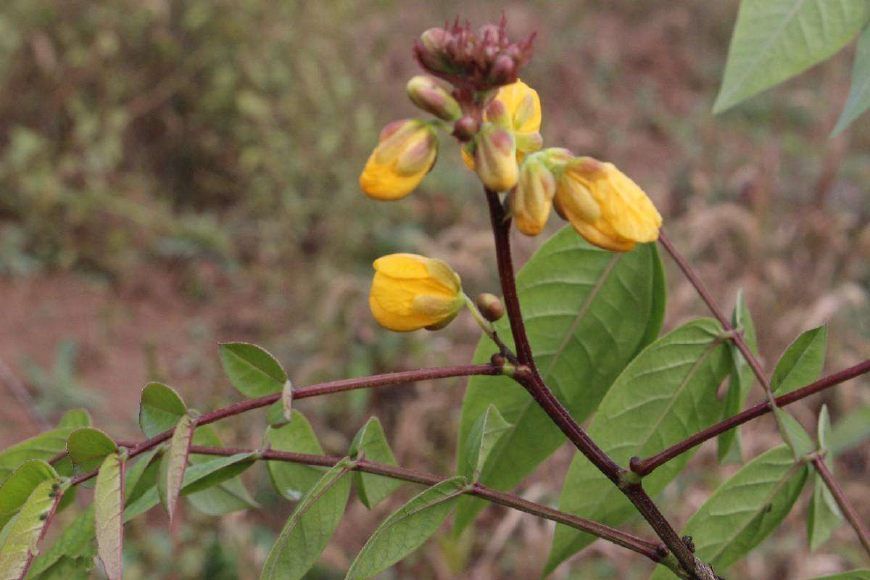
430,50
504,70
497,113
490,306
495,158
532,199
433,98
466,128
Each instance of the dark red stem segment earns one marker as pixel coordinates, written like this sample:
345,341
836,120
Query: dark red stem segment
314,391
501,227
651,550
849,512
646,466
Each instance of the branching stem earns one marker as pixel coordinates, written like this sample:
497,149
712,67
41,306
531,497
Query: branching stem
849,512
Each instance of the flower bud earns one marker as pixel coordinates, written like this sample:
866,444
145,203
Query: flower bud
605,206
531,200
495,158
489,306
496,113
405,154
431,50
410,292
465,128
433,98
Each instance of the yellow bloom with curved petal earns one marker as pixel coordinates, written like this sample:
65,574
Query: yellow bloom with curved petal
605,206
405,153
523,108
410,292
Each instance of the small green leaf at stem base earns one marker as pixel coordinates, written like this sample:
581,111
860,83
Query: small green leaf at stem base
253,371
371,444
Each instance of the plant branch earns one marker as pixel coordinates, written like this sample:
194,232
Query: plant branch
646,466
48,517
653,551
313,391
849,512
528,376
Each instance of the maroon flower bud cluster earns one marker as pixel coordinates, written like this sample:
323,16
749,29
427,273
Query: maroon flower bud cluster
473,60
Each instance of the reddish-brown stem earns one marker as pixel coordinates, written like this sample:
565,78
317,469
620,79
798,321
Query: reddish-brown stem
648,465
849,512
49,515
314,391
651,550
529,377
501,228
737,337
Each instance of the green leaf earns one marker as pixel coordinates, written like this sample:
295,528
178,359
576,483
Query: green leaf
823,431
740,382
588,312
850,431
407,528
75,418
292,480
87,447
26,529
310,526
174,464
192,478
108,515
160,407
44,446
280,412
663,396
487,430
68,569
137,474
76,543
225,496
776,39
252,371
745,509
823,515
801,363
793,433
371,444
859,94
863,574
18,487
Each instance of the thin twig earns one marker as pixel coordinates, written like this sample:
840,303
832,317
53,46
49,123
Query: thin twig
848,510
737,337
648,465
313,391
529,377
651,550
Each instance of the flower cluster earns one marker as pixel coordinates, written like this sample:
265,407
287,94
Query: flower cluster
497,118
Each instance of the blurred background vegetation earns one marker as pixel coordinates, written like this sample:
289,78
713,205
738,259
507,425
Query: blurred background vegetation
174,173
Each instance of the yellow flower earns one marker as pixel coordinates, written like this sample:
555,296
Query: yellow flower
531,200
495,157
405,154
410,292
523,107
605,206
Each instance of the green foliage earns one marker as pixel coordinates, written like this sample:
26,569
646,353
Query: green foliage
587,313
801,363
310,526
25,530
859,93
850,575
222,492
664,395
252,370
485,433
777,39
793,434
407,528
160,407
850,430
823,515
174,464
18,487
74,547
109,514
745,509
371,444
294,480
740,381
87,447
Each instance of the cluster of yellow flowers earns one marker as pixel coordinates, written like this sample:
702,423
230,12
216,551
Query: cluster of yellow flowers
504,148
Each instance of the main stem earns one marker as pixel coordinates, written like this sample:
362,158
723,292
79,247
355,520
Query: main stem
651,550
528,376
